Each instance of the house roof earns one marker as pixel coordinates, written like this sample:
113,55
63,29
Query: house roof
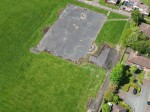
144,7
145,28
115,1
135,1
117,108
139,60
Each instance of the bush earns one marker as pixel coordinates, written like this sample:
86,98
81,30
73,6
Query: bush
136,87
140,78
116,99
133,69
132,78
137,16
113,88
108,96
125,106
106,108
126,87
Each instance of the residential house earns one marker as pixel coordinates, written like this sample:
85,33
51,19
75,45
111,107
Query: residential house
145,28
112,1
117,108
140,61
144,9
135,4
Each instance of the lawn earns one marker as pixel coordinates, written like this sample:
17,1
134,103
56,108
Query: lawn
39,83
146,2
113,15
111,32
125,57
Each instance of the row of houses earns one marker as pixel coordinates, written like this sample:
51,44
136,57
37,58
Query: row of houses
129,5
134,58
141,62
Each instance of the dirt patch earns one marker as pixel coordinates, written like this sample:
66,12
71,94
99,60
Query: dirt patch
60,11
45,30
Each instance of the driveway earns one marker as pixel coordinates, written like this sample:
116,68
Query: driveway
138,103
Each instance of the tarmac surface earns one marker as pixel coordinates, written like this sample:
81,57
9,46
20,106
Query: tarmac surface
72,34
138,103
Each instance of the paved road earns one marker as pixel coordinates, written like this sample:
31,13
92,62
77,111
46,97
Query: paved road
142,100
96,4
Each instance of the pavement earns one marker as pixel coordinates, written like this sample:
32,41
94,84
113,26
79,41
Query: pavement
72,35
138,103
97,105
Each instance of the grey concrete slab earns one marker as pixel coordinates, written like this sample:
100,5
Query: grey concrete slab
105,58
73,33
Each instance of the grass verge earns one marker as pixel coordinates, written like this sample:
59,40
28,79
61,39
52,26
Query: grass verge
113,15
111,32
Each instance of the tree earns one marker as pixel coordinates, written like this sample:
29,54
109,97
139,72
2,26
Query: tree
106,108
137,16
132,35
143,47
116,74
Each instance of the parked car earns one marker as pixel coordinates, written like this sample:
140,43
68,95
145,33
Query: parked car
135,91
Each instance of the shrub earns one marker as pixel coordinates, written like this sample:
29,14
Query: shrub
133,69
126,87
136,16
108,96
106,108
135,86
116,99
113,88
125,106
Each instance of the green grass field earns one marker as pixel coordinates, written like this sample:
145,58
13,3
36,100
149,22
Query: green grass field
146,2
116,16
111,32
39,83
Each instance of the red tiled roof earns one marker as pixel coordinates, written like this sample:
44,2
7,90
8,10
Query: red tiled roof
117,108
139,60
145,28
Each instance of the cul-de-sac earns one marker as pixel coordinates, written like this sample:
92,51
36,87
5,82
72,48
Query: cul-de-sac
75,56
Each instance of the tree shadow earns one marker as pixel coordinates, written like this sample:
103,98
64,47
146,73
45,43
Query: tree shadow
126,76
138,71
